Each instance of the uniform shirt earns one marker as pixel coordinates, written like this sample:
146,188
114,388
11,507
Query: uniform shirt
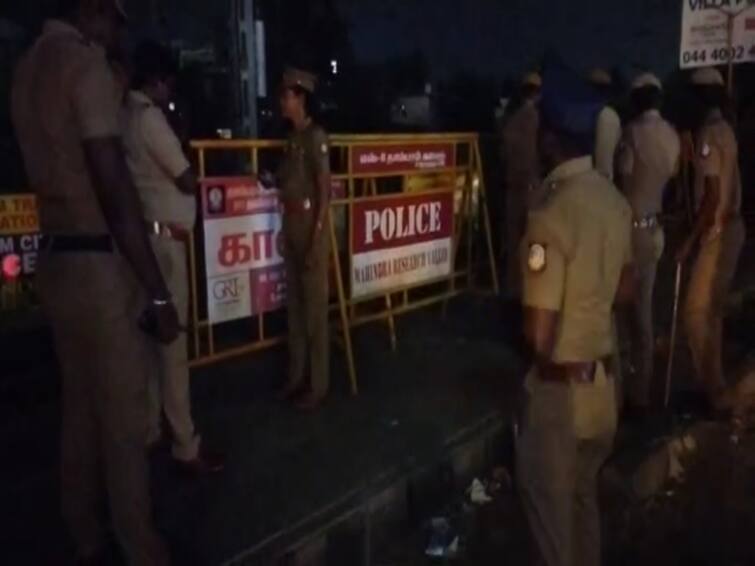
718,156
520,147
607,138
648,159
578,240
156,159
64,94
307,156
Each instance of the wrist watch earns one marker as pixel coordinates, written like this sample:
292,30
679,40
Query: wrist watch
164,302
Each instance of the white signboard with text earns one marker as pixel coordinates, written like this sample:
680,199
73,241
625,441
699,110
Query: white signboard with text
401,241
242,243
705,32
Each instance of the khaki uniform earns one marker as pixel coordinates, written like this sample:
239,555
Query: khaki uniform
578,241
155,159
648,159
607,138
716,262
522,176
307,156
63,94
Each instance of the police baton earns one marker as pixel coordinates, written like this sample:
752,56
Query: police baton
674,324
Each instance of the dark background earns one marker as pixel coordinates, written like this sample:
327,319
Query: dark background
468,52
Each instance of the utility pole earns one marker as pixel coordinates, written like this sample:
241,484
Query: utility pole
731,18
248,57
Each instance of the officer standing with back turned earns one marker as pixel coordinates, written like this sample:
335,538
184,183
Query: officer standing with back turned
522,174
720,232
647,161
97,273
576,267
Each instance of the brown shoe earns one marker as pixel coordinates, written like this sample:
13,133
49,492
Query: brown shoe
310,402
205,463
289,392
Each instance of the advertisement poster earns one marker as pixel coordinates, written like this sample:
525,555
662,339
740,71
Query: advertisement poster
242,243
705,33
400,242
19,235
401,158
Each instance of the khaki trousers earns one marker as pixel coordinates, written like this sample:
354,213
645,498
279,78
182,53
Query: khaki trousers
92,301
566,434
169,388
307,299
710,280
648,247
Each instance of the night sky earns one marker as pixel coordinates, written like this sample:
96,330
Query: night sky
500,37
490,37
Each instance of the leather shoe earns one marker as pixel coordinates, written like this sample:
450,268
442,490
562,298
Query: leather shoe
205,463
309,403
289,392
98,558
157,445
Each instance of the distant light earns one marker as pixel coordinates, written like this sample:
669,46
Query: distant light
334,66
172,106
11,266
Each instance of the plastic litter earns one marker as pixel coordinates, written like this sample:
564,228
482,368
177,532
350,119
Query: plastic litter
444,542
478,494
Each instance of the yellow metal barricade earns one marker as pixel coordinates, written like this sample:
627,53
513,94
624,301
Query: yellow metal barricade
367,169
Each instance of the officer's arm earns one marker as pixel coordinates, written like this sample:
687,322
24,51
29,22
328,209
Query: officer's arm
540,326
321,162
95,104
710,166
165,148
625,160
626,292
122,209
544,274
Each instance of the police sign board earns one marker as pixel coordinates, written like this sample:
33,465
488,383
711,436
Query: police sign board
705,32
243,243
401,241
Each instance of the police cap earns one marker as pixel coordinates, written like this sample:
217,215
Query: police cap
296,77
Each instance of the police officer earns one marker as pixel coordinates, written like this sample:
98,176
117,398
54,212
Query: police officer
168,188
304,178
648,159
576,267
522,172
608,128
720,232
97,272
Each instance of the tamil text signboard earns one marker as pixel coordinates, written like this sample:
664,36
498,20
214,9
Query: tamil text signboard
400,242
243,244
705,32
396,159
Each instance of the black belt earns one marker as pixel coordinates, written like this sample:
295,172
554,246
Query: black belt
78,243
573,372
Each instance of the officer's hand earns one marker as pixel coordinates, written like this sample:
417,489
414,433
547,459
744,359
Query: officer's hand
684,251
167,324
310,261
266,179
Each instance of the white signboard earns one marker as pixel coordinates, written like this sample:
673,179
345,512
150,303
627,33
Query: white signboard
242,242
400,242
705,32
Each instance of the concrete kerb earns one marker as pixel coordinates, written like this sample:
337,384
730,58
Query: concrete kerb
385,505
